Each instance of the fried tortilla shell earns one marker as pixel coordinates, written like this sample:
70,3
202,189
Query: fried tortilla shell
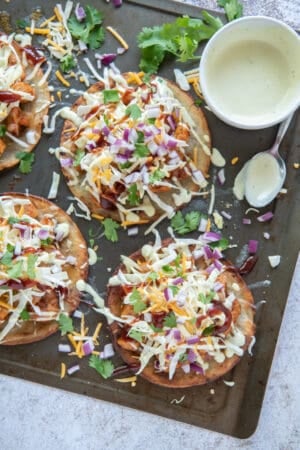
74,244
198,152
244,320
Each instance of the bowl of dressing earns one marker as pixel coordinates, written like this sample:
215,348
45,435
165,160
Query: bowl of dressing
250,72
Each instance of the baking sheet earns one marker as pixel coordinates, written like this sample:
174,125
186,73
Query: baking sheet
235,410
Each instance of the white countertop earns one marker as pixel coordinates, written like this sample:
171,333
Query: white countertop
39,417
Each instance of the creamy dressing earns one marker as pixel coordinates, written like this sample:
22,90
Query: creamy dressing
263,179
248,79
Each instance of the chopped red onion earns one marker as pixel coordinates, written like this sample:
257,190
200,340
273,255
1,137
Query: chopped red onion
126,134
66,162
79,13
60,235
171,122
208,253
121,50
252,246
132,177
186,368
218,286
218,265
117,3
105,130
18,248
221,176
197,368
226,215
210,268
191,356
246,221
108,58
211,236
193,340
77,314
217,254
177,281
88,347
20,226
265,217
176,334
198,176
168,293
133,231
198,253
90,145
73,369
267,235
202,225
108,351
70,259
43,234
64,348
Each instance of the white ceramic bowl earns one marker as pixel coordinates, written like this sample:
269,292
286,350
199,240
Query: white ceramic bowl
250,72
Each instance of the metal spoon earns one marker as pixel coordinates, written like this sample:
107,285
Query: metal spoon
266,171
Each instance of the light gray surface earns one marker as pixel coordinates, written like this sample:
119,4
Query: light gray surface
38,417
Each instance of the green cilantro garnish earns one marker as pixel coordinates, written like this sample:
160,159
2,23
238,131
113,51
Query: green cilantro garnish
31,260
22,23
133,195
67,63
185,224
103,366
141,150
198,102
46,242
157,175
141,137
208,330
151,120
155,329
222,244
11,220
170,320
133,111
110,227
179,38
174,289
24,315
15,270
65,324
125,165
153,276
2,130
168,269
183,357
6,259
26,161
135,299
110,96
233,8
206,298
136,335
89,30
79,154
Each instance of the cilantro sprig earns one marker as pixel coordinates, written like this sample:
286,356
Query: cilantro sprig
90,29
65,324
133,195
104,367
26,161
67,63
110,229
233,8
136,301
179,38
185,224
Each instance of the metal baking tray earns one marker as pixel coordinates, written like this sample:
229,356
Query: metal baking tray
230,410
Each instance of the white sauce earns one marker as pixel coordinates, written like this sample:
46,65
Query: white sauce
248,79
262,180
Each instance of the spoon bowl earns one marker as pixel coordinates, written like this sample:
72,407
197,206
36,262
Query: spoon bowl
266,172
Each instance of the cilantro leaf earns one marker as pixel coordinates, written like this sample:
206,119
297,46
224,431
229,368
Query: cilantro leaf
233,8
65,324
93,16
24,315
208,330
15,270
22,23
2,130
206,298
79,154
155,329
168,269
31,260
222,244
11,220
157,175
133,195
170,320
110,96
174,289
67,63
153,276
179,38
136,335
46,242
110,227
133,111
26,161
185,224
89,30
104,367
141,150
6,259
96,38
136,301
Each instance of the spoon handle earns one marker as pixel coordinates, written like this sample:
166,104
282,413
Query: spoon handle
281,133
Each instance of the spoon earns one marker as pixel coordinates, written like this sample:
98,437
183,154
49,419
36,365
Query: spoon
266,171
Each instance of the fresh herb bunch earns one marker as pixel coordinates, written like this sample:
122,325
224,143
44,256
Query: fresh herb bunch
233,8
88,30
